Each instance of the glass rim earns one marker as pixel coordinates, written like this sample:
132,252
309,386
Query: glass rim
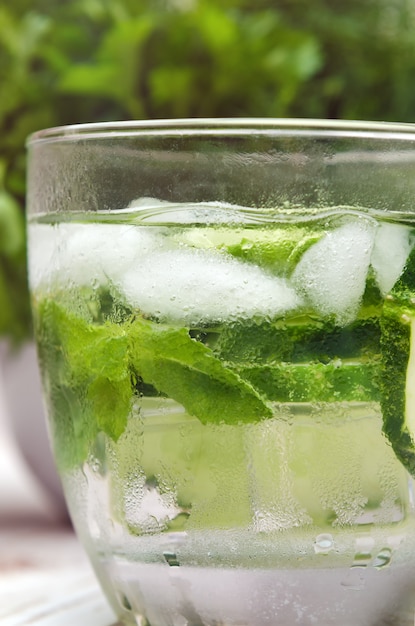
226,127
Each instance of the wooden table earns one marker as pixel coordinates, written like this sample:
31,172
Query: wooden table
46,580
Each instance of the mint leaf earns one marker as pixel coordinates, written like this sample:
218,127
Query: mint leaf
88,372
111,403
187,371
86,378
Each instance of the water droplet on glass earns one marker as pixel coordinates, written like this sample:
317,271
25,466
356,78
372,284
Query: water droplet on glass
178,522
323,543
383,558
363,554
361,559
247,245
124,602
171,559
354,580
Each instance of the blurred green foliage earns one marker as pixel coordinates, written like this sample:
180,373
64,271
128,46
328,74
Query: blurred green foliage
89,60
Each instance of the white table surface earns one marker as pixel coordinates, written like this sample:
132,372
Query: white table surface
45,577
46,580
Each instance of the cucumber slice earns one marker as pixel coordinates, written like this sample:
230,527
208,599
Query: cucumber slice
193,476
298,339
297,477
397,389
276,249
410,385
352,381
398,381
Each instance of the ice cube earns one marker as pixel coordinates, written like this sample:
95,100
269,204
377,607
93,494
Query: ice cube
178,284
194,286
393,243
332,273
84,254
41,244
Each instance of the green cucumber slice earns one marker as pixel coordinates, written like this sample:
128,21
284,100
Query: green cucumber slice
337,381
398,381
298,339
397,390
275,249
199,469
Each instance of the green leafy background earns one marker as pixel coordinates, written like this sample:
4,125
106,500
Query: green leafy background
92,60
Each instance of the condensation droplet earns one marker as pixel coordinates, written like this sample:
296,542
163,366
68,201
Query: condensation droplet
323,543
124,602
354,580
383,558
361,559
171,559
363,553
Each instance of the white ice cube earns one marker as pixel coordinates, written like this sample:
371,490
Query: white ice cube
42,242
173,283
84,254
192,286
332,273
393,243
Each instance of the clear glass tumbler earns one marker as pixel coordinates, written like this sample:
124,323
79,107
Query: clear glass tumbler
225,319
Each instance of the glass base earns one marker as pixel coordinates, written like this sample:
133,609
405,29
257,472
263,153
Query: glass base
171,595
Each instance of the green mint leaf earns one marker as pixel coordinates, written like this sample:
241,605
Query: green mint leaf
187,371
111,404
86,377
88,371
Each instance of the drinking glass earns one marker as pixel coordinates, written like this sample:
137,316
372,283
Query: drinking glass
224,313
